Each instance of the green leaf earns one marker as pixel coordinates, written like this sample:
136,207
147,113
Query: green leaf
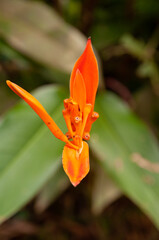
53,188
30,154
128,152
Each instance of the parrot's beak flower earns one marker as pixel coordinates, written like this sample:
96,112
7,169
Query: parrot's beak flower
78,114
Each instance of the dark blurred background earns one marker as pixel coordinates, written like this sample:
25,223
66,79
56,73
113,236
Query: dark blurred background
125,34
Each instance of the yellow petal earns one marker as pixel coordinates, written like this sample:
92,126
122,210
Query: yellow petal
76,163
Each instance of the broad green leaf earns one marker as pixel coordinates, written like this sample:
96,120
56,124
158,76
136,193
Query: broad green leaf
128,152
29,153
53,188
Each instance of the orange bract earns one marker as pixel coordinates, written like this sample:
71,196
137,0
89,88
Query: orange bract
79,90
76,163
78,114
87,65
39,109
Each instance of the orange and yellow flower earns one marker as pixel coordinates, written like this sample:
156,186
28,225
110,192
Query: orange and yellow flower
78,114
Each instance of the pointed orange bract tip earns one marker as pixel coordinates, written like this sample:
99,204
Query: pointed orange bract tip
76,163
88,67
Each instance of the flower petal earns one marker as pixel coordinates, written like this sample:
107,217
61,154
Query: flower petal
79,90
39,109
87,65
76,163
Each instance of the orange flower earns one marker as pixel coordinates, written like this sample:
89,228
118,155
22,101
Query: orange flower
78,114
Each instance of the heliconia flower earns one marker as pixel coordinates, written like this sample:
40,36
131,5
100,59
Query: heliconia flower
78,114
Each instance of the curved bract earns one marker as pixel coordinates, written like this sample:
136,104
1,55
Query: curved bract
76,163
78,114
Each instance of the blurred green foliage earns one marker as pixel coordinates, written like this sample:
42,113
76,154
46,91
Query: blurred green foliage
40,41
